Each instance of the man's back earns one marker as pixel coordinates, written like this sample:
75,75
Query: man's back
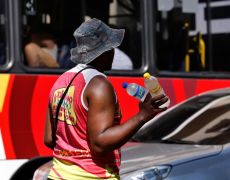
72,146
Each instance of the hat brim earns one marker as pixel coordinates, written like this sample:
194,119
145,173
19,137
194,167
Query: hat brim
114,40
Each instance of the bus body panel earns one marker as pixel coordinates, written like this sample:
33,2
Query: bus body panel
24,99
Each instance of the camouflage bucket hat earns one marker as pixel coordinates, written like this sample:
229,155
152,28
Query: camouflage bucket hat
93,38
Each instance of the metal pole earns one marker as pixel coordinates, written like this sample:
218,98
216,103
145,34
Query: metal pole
83,9
209,37
148,41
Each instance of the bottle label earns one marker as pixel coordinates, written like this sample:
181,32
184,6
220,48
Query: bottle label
140,92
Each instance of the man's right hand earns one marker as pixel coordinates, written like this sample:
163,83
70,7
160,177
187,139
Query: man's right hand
149,108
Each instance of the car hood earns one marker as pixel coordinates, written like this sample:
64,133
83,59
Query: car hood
143,155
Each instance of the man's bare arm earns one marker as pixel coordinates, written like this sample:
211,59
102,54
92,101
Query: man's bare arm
103,135
48,134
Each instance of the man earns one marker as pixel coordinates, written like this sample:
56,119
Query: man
88,133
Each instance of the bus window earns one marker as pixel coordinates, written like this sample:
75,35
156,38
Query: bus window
126,14
172,38
219,36
2,34
192,36
53,23
47,28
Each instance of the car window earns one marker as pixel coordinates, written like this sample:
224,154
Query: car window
201,120
212,126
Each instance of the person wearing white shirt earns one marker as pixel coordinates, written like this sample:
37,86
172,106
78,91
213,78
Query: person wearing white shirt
121,61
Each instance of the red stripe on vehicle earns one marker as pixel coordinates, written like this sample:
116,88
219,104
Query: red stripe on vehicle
4,122
190,87
179,90
39,105
20,124
205,85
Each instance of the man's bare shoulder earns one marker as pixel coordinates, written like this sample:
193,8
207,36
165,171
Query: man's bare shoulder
100,90
100,82
99,93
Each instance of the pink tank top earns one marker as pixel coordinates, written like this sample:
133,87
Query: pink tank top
72,149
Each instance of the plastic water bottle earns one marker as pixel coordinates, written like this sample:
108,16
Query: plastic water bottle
135,90
154,87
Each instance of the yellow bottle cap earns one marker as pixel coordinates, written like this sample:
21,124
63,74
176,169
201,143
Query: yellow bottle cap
146,75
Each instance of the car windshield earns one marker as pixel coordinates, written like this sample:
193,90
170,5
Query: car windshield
203,119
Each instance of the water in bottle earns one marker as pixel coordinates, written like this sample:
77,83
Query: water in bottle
135,90
154,87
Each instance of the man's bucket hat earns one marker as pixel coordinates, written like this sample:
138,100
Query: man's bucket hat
93,37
